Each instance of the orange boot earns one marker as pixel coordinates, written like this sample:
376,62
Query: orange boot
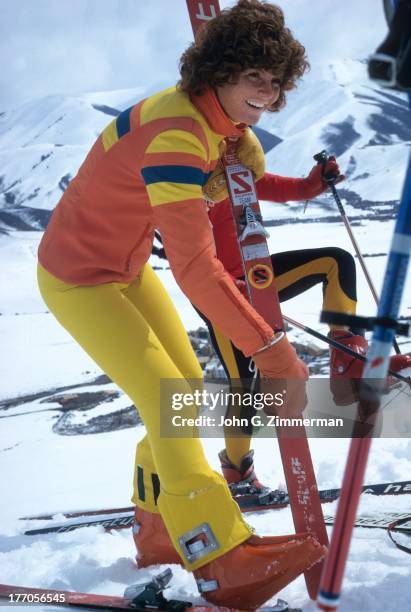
243,481
246,576
250,574
152,541
244,474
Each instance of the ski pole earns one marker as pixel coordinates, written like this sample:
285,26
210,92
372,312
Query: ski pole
370,393
317,334
322,158
339,346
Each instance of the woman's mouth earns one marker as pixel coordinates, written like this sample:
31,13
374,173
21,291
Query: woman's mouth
256,105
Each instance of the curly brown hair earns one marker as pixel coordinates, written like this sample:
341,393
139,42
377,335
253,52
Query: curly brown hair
252,34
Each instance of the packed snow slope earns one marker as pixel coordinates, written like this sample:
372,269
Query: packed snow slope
67,434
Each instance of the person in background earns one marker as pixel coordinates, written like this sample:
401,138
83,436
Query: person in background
295,271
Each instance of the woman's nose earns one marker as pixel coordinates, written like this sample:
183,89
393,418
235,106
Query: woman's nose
266,88
269,90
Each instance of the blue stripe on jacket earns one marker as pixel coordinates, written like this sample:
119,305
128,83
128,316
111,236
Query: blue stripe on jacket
174,174
123,122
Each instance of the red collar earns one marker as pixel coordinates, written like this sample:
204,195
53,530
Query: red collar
213,112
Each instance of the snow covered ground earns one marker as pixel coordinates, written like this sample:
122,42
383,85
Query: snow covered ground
46,472
42,142
42,471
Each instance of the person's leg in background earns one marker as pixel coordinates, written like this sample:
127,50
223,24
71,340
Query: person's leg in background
237,458
295,272
298,271
334,268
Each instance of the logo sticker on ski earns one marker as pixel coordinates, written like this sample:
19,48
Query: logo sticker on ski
260,276
241,184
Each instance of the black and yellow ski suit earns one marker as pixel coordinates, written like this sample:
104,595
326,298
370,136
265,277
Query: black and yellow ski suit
295,272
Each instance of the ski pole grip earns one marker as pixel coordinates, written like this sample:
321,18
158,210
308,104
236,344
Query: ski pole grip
321,157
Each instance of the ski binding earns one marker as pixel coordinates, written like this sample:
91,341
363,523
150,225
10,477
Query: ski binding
150,594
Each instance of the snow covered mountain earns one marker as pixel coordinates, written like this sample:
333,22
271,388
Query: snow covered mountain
43,143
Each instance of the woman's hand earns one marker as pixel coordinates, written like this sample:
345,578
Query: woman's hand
319,179
283,372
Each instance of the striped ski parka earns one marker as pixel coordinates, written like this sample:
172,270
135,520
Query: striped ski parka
145,171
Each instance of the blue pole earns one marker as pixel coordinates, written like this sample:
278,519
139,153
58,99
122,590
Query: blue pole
375,371
394,282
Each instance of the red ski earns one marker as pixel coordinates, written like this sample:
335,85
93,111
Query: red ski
19,596
252,239
141,596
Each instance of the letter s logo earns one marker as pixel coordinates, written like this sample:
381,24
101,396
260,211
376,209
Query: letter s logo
242,186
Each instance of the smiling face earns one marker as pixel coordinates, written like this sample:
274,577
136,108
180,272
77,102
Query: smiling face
247,99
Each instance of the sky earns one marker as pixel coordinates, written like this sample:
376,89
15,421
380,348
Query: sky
76,46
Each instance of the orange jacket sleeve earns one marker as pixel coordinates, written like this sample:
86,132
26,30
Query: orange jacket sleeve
189,244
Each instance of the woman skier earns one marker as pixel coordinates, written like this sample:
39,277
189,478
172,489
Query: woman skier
147,170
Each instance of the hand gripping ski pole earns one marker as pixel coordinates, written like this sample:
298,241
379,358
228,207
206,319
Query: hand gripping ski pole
338,345
374,374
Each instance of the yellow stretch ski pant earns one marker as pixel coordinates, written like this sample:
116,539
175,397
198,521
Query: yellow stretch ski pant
134,334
